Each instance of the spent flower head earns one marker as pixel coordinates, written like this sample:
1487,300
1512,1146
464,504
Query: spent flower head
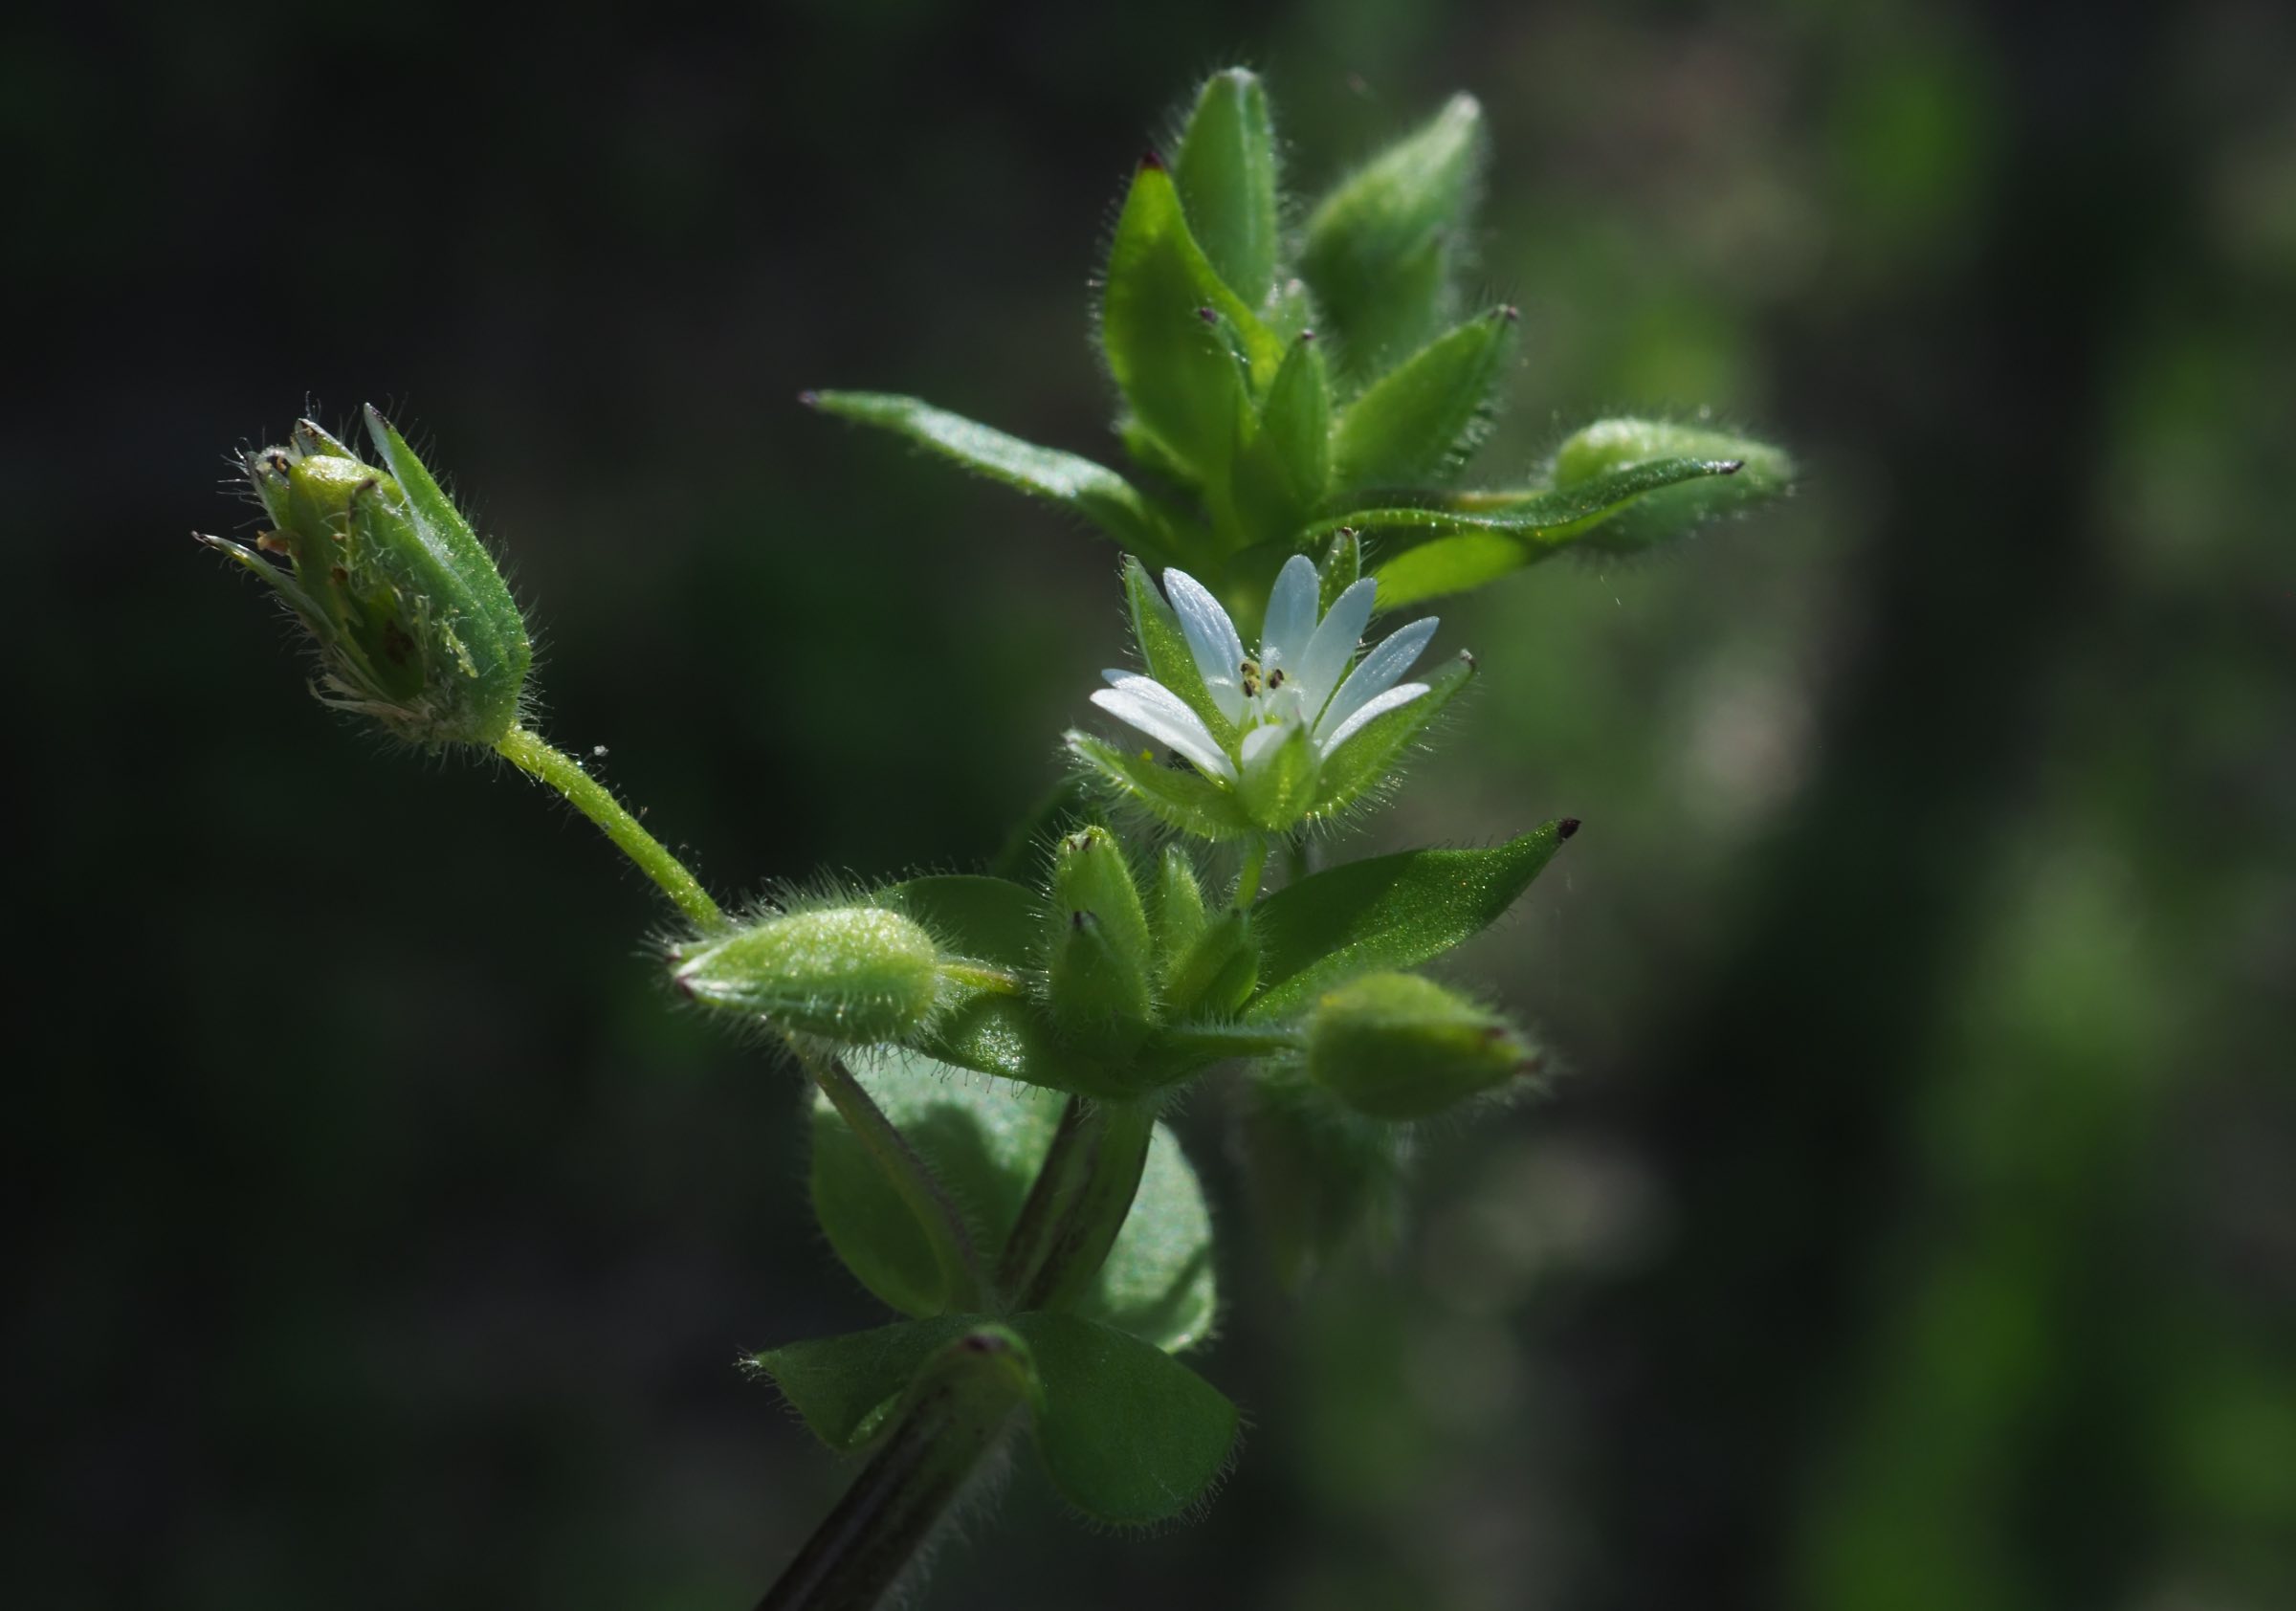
412,623
1270,739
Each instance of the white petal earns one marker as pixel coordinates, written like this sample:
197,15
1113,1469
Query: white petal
1373,709
1291,615
1166,721
1334,644
1211,639
1380,670
1260,740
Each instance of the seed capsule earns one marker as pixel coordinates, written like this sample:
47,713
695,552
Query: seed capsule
854,973
1398,1047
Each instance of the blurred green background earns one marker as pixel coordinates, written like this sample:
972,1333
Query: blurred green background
1916,1225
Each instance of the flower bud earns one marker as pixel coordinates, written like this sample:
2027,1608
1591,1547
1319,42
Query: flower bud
852,973
1217,971
1098,967
1398,1047
413,624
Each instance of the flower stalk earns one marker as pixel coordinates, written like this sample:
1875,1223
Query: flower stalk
527,751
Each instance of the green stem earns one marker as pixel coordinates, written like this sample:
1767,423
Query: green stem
957,1410
1248,881
1081,1197
922,1192
529,754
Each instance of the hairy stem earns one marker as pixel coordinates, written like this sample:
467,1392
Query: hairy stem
1079,1201
537,760
957,1410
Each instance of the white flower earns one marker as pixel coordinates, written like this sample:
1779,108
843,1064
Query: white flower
1298,679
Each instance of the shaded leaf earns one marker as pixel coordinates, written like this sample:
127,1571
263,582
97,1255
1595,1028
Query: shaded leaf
1386,912
1129,1435
1421,420
1091,489
1225,170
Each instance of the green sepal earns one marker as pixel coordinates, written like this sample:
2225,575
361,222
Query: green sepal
1096,989
1370,754
1098,973
846,973
1225,171
1421,420
1128,1434
1093,491
414,626
1400,1048
1315,1174
1378,247
1610,447
1179,795
1013,1038
1341,564
983,1142
1387,912
1217,972
1277,788
1286,467
1164,650
1179,913
1176,370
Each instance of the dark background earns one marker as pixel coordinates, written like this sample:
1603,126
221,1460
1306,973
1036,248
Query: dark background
1915,1227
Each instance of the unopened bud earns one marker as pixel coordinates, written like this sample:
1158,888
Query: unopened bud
412,621
854,973
1398,1046
1099,969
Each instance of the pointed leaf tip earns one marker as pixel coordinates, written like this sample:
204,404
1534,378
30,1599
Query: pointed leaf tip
810,399
1152,157
1564,828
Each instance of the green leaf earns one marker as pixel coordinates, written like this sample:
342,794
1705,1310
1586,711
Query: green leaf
1010,1037
1129,1435
1387,912
1610,447
1379,249
978,1137
846,1387
1157,1282
1225,171
1287,465
1179,795
1368,757
1470,538
1423,418
1164,650
984,1141
1091,489
1179,914
1178,371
